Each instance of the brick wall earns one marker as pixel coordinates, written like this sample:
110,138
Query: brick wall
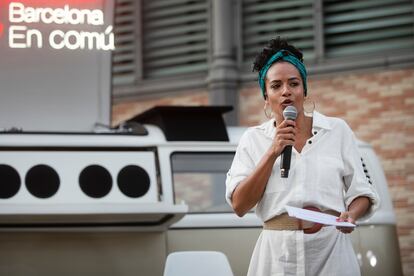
379,107
127,109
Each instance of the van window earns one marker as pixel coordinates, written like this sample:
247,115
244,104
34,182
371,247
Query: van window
199,180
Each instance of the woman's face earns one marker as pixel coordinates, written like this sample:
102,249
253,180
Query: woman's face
284,87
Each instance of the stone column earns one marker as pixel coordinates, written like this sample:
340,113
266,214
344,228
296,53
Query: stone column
223,76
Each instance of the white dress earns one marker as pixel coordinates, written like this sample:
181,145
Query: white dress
327,174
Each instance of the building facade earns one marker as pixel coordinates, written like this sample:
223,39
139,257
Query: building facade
359,55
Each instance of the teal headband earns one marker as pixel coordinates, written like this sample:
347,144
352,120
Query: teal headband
286,56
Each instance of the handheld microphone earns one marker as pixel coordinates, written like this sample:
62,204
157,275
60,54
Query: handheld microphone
289,113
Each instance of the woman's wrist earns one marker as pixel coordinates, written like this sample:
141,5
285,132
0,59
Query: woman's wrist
359,207
273,152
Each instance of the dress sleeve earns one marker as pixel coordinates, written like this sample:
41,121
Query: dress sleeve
356,182
241,167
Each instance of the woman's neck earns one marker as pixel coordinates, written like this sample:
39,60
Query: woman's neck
303,131
303,123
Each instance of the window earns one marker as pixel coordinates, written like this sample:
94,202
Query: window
199,180
125,57
175,37
165,45
367,26
262,20
159,38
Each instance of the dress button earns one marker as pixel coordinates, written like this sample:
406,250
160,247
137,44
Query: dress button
315,132
310,142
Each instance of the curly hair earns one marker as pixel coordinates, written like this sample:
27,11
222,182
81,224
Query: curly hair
273,47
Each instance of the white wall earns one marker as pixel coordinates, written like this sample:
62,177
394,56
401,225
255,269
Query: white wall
46,89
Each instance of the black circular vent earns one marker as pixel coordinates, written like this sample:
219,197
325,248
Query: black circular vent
42,181
133,181
9,181
95,181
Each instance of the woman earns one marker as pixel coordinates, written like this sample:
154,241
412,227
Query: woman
326,174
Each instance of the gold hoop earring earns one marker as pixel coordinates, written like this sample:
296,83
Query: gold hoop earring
308,107
265,111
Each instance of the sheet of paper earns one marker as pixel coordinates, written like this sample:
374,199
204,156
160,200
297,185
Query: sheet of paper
316,217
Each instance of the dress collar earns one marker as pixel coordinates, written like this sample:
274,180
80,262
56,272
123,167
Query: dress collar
268,128
319,121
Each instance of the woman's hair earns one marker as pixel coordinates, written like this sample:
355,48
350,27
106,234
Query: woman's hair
273,47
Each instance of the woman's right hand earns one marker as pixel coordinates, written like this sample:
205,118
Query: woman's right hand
251,189
285,135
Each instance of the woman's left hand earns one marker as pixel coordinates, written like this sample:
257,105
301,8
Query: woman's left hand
346,217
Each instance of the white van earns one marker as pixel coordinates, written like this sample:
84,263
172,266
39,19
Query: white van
211,224
117,202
